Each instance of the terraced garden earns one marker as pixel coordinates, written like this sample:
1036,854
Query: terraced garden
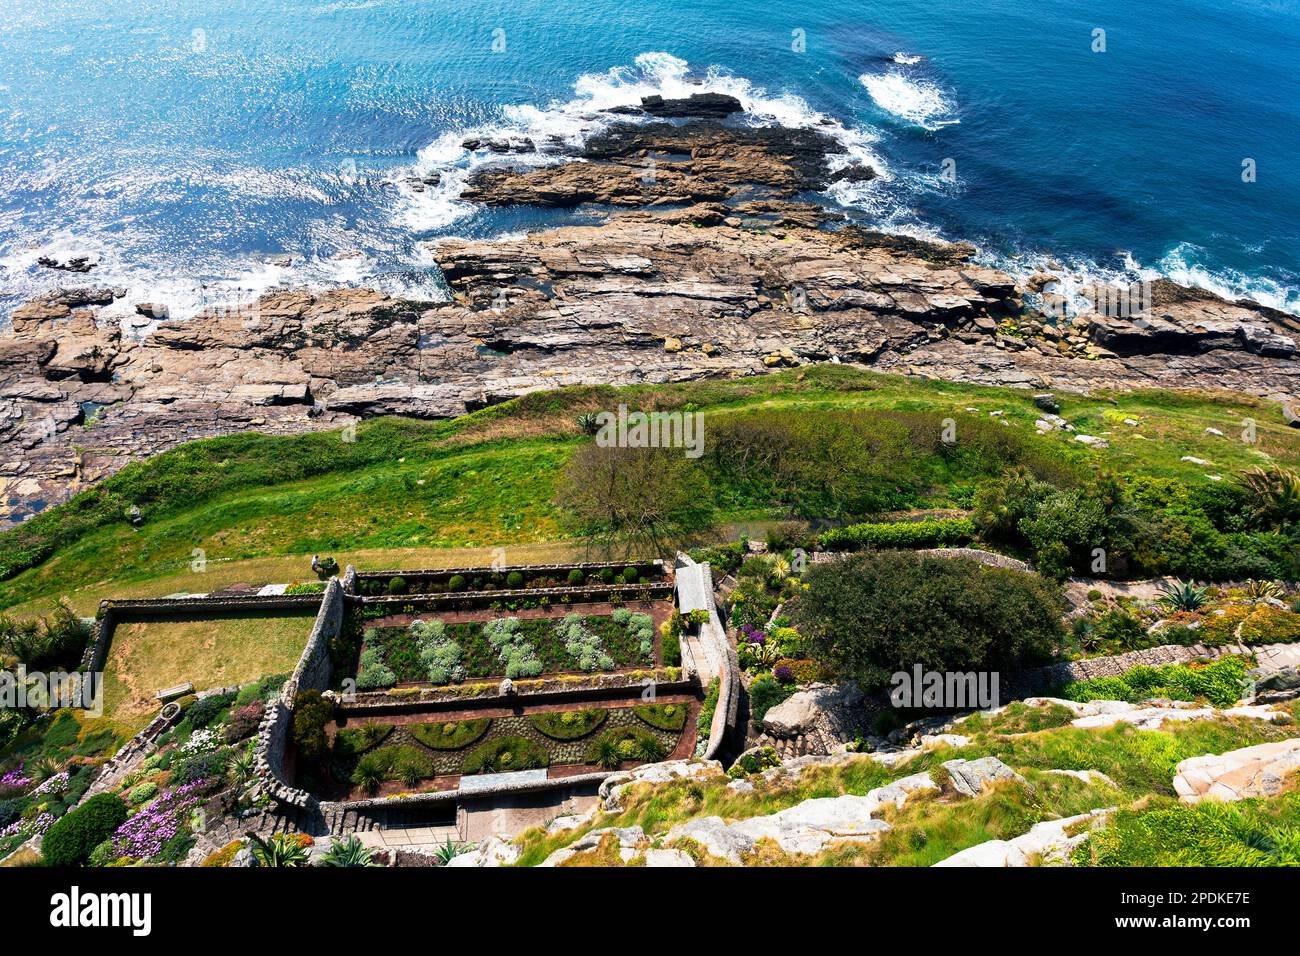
428,752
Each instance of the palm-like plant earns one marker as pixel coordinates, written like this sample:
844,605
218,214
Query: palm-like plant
242,767
282,850
349,852
608,755
589,423
1273,495
1182,595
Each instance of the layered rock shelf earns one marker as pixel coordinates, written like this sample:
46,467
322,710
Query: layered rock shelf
723,267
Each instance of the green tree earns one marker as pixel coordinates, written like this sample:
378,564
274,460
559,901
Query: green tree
879,613
630,499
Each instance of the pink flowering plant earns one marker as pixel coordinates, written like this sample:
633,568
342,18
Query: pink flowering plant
143,835
14,780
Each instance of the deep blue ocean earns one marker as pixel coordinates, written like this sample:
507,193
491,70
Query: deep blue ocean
189,146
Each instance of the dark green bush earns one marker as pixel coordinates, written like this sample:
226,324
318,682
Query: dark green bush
74,835
576,577
456,582
207,709
397,585
311,712
625,743
879,613
629,575
514,580
764,694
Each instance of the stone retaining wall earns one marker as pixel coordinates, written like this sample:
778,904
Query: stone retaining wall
312,673
111,613
722,657
600,687
1037,681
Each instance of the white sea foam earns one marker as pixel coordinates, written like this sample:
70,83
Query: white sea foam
560,127
907,59
911,98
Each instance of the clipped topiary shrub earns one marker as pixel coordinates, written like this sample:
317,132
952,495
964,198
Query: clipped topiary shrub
569,724
456,582
397,585
514,579
72,837
506,754
451,735
350,741
576,577
663,716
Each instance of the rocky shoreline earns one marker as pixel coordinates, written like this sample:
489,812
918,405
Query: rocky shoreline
710,264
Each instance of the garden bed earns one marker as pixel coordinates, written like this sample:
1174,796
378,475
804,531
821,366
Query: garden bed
432,751
410,649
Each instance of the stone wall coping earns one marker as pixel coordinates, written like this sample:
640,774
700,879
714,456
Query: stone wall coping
372,704
506,569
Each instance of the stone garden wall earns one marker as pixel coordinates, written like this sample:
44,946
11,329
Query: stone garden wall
312,673
1038,681
697,580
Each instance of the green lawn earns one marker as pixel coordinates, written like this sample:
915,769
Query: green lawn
488,479
146,657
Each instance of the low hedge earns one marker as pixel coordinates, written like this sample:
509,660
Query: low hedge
73,836
932,533
569,725
351,741
451,735
506,754
662,716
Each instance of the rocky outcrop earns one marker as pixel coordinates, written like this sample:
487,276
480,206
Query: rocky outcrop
1049,842
1260,771
807,827
971,778
723,269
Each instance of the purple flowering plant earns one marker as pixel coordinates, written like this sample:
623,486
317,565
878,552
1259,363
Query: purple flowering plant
143,835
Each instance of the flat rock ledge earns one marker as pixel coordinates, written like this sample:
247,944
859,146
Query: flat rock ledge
1259,771
719,267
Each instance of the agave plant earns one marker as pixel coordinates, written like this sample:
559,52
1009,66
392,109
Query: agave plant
1182,595
282,850
1273,495
1257,591
589,423
449,851
349,852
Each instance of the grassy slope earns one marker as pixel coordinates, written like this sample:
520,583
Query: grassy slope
488,478
930,828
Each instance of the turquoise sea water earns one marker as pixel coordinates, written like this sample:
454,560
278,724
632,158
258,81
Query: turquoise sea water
185,144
